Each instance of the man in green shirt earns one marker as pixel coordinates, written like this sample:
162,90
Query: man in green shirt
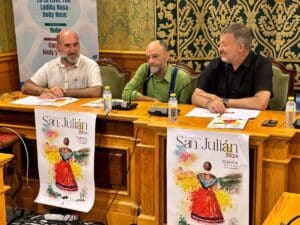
155,76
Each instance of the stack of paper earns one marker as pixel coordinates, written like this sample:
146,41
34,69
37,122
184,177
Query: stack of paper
34,100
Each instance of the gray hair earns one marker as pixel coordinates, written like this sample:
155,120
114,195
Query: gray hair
164,45
241,33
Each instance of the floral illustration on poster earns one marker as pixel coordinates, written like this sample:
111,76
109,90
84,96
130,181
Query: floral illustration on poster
65,144
207,177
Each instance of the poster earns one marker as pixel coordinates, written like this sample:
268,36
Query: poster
65,145
207,177
37,23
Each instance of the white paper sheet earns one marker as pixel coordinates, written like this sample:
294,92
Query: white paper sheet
34,100
233,113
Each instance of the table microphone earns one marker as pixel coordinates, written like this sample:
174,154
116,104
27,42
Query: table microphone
126,105
141,84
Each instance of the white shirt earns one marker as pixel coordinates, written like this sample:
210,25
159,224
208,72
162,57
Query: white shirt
85,73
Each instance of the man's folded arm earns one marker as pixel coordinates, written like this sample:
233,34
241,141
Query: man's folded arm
31,88
259,101
89,92
202,98
215,104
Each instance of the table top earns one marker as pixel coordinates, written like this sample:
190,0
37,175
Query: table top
140,116
286,208
4,158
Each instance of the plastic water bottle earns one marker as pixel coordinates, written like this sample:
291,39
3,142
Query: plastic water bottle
107,99
173,108
290,112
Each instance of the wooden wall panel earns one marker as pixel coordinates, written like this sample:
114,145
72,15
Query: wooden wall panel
127,60
9,70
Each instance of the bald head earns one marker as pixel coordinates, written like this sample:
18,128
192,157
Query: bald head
65,35
158,44
157,55
68,46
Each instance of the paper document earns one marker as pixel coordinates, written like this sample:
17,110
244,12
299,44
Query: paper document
232,113
229,123
201,112
34,100
99,103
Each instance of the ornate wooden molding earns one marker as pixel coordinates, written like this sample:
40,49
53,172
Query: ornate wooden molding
8,56
126,59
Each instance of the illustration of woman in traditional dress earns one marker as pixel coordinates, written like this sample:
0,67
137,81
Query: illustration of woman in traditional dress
205,207
64,177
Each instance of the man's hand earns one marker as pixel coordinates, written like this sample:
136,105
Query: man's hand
54,92
47,95
216,106
57,91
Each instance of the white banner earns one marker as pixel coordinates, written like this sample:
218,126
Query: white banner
65,145
207,177
37,23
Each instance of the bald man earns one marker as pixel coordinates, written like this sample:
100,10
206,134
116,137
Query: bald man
155,78
71,74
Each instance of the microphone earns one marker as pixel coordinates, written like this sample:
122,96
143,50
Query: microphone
148,77
126,105
163,111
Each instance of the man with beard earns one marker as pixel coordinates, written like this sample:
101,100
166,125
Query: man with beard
238,78
71,74
155,78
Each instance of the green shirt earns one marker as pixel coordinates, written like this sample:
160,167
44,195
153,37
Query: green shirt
159,88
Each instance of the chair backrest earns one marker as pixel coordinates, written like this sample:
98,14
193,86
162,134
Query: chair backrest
280,89
114,76
283,85
194,76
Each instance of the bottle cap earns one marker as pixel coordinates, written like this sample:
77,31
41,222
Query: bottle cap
107,87
173,95
291,98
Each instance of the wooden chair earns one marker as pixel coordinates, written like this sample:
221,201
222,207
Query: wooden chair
114,76
193,74
4,158
283,85
10,140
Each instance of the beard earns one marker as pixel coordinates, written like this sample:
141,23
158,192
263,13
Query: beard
155,69
71,58
224,59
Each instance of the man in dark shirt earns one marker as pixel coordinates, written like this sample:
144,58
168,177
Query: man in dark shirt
238,78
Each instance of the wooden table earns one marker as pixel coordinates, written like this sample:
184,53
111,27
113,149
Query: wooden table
274,153
286,208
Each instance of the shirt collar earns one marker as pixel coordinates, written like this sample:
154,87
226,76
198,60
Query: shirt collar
247,60
168,74
246,63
